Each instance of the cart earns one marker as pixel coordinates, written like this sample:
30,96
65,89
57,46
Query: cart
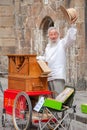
27,81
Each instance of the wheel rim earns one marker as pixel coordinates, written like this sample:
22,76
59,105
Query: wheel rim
22,111
3,120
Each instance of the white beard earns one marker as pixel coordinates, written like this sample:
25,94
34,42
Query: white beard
53,43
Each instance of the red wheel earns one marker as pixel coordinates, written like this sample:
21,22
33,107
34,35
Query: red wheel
22,111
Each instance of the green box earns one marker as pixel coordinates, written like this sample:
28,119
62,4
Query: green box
52,103
84,108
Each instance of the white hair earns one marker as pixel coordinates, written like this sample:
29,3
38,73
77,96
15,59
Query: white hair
53,28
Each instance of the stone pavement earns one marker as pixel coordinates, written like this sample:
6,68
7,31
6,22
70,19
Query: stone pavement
79,120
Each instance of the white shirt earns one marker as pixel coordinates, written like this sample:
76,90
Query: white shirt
55,55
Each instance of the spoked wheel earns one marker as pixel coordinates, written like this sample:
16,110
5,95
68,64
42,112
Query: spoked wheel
3,118
22,111
3,121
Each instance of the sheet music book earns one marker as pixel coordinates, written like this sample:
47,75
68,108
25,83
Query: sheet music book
63,96
44,67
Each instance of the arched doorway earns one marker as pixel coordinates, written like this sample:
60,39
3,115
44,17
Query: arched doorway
45,24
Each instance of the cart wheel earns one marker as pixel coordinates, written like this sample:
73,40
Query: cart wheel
22,111
3,118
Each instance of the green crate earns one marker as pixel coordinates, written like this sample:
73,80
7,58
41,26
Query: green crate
84,108
52,103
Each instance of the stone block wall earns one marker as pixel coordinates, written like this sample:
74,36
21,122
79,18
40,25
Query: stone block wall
7,33
23,29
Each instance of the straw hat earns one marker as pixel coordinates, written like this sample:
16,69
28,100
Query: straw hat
70,14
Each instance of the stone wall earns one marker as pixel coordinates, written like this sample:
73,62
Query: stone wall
7,36
86,41
76,64
23,29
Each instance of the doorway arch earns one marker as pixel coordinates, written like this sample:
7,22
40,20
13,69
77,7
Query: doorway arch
45,24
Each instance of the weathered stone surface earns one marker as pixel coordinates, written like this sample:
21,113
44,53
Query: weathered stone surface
23,20
6,11
6,2
7,42
6,21
7,32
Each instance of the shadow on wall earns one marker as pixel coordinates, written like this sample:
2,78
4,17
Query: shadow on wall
81,84
3,64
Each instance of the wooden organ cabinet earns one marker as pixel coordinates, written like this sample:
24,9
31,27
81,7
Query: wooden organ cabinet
25,73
